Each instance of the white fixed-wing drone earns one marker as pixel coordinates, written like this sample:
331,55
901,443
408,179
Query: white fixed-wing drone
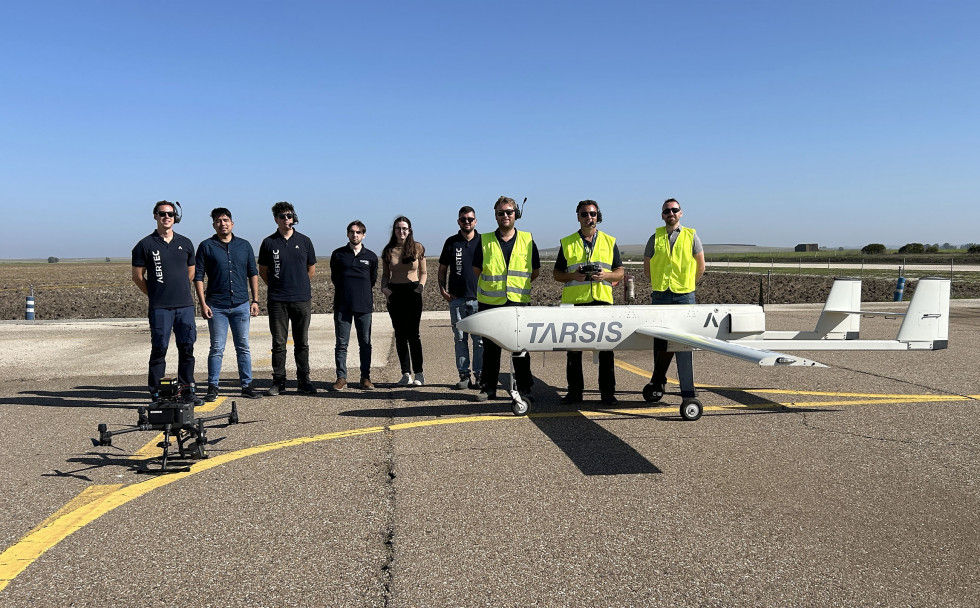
736,330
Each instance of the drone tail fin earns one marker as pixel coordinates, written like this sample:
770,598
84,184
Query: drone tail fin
926,323
840,318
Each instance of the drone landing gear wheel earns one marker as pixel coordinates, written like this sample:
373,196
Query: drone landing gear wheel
653,392
519,407
691,409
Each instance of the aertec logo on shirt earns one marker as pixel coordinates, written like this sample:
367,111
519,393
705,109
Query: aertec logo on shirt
158,267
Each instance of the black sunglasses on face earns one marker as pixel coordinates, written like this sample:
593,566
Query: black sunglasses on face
588,213
670,210
504,212
467,220
166,214
285,216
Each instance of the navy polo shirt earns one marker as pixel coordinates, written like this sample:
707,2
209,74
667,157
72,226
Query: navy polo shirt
166,269
457,255
228,267
287,260
353,278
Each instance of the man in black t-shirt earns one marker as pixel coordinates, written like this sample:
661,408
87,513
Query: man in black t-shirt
163,268
287,262
353,272
457,284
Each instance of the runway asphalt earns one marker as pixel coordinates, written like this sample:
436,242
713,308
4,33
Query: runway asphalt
856,485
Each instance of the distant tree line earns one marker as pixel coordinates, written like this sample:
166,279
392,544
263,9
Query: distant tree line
911,248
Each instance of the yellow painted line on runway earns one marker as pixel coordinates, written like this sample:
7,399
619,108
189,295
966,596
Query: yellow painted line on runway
776,391
19,556
86,496
99,500
152,449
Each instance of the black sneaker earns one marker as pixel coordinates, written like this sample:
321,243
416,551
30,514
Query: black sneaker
610,399
306,388
249,393
475,384
189,397
571,399
485,395
277,388
212,393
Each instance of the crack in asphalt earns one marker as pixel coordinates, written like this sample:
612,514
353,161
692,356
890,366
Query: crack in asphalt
388,533
904,381
807,424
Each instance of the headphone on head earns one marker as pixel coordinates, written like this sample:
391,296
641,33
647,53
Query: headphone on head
174,205
590,202
517,208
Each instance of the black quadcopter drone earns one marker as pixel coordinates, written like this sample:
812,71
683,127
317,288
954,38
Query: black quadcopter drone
170,414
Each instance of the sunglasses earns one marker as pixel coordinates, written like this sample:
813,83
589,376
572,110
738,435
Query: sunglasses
285,216
467,220
588,213
504,212
166,214
670,210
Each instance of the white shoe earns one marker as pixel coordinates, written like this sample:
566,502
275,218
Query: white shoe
419,379
406,380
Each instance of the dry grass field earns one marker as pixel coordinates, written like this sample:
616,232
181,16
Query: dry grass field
90,290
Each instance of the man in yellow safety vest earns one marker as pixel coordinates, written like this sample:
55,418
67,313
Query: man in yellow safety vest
589,265
505,264
674,262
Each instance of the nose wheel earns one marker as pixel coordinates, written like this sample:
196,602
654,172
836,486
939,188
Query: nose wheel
518,405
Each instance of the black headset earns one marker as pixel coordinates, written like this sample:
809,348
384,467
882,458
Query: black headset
517,209
174,205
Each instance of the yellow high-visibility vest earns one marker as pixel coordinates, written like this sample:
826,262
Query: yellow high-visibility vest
499,281
673,269
576,254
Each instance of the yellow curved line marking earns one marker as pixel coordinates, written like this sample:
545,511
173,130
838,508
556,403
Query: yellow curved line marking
99,500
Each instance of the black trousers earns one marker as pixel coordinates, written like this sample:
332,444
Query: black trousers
576,380
281,316
405,310
490,375
607,369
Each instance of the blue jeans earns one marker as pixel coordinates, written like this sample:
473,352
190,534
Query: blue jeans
341,327
181,323
237,319
460,308
662,358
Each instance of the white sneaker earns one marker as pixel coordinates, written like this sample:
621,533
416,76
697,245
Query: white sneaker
406,380
419,379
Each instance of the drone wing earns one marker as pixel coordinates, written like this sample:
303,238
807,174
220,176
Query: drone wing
731,349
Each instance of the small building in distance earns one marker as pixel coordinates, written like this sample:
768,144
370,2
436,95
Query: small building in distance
804,247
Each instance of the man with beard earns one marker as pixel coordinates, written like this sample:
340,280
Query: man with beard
505,265
457,284
353,272
229,263
674,262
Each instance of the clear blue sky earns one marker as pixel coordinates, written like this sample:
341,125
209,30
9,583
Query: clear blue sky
774,123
